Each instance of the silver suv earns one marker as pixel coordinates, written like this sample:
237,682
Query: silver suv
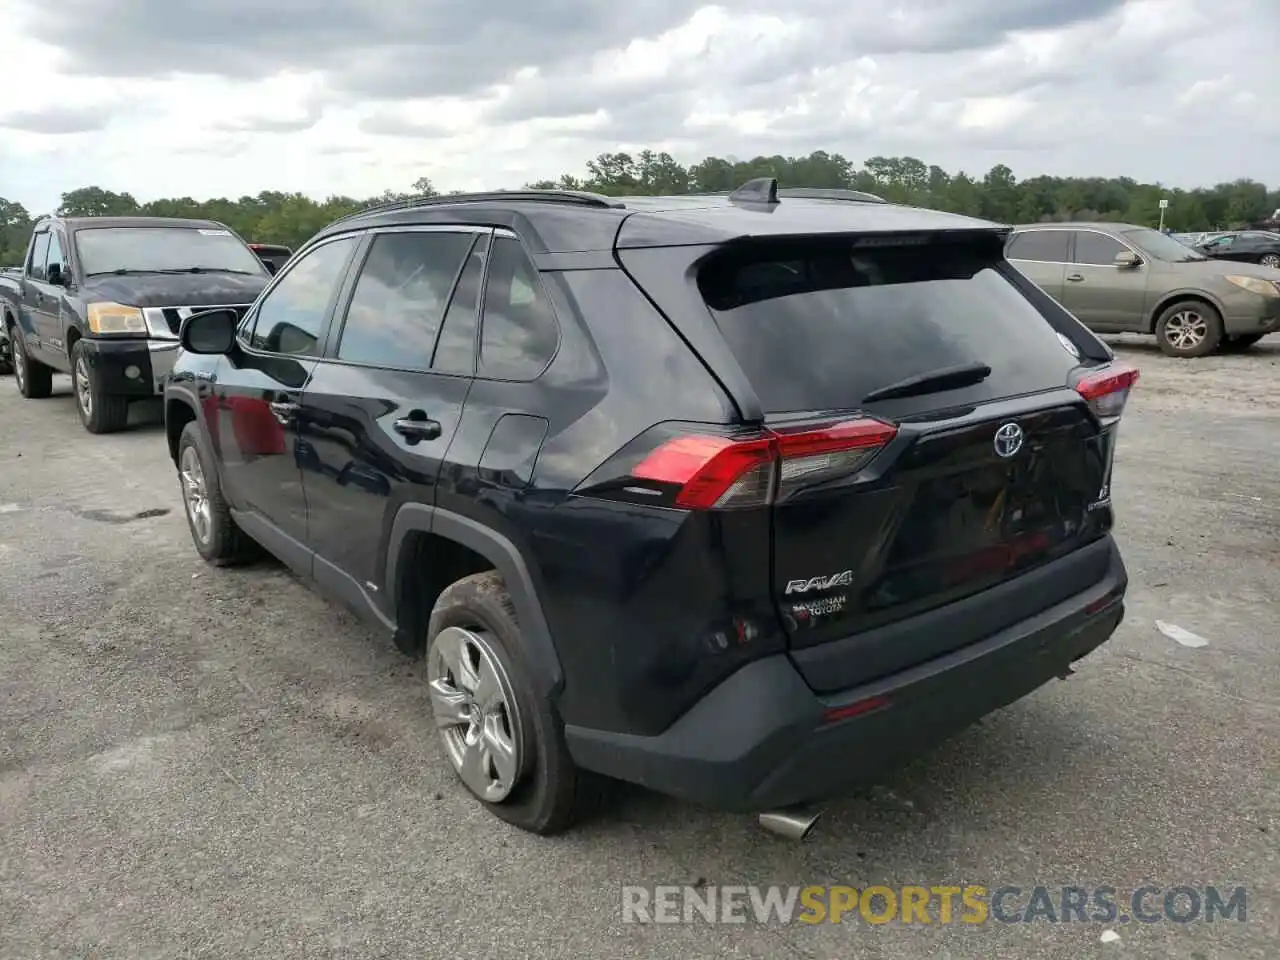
1119,278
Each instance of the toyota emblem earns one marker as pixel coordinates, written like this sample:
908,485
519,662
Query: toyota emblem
1008,440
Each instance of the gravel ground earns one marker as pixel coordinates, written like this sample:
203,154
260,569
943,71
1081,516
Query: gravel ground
209,763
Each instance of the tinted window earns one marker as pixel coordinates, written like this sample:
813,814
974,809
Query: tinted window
292,316
820,325
456,349
108,249
1161,247
518,331
400,298
55,253
1098,249
39,252
1044,246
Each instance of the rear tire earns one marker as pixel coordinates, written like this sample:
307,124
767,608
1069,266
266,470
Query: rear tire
545,792
100,412
34,379
215,534
1239,344
1271,260
1189,328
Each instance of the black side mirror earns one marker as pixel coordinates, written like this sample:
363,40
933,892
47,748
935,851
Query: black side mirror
211,332
57,276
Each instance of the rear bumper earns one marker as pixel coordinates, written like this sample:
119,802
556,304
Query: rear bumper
758,741
132,368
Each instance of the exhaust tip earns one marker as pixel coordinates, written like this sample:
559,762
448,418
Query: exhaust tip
793,824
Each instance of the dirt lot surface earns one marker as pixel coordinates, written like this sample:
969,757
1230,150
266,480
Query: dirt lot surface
220,763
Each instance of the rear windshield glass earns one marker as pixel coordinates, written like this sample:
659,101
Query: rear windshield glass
819,326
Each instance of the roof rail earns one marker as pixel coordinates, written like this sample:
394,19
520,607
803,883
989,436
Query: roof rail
830,193
580,197
766,190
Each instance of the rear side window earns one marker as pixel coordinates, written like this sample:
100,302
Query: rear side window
1040,246
818,326
456,345
39,252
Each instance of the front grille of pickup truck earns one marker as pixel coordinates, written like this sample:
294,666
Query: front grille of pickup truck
171,317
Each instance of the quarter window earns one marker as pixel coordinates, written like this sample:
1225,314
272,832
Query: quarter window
400,298
519,333
291,318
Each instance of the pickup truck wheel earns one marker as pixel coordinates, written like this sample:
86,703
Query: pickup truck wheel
1189,328
100,412
504,741
216,536
34,379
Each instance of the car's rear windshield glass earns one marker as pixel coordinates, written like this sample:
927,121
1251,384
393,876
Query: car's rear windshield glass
818,326
142,249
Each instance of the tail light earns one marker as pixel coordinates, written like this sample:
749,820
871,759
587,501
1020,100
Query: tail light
674,467
1107,390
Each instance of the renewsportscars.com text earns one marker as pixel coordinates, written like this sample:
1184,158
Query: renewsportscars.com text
969,904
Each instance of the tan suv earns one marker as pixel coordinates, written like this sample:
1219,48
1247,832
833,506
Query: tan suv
1118,278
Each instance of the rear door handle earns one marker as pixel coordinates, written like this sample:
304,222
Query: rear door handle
1075,277
417,429
283,411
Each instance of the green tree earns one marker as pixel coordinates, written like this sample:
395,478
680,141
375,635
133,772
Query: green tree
291,218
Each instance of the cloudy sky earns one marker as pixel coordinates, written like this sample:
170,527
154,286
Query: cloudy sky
229,97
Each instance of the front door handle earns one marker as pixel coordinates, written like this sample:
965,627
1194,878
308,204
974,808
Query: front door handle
417,428
283,411
1075,277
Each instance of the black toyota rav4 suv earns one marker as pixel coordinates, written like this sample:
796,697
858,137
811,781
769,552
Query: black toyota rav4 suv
741,498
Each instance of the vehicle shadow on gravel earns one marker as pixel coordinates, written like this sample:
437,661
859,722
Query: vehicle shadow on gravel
144,415
1266,349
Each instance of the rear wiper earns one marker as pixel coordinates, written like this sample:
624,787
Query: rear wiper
935,381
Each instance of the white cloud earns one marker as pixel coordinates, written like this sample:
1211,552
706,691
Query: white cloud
1176,90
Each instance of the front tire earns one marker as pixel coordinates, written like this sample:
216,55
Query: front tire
1271,260
215,534
34,379
1189,328
505,743
100,412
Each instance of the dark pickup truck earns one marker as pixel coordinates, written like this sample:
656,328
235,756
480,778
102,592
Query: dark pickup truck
103,299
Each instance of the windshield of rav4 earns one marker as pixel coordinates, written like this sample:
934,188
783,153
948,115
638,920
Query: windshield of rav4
1162,247
106,250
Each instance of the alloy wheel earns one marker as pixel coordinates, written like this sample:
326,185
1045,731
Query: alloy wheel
195,494
1186,330
84,387
475,711
1271,260
19,363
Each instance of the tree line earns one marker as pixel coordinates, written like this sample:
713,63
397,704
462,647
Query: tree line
291,218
